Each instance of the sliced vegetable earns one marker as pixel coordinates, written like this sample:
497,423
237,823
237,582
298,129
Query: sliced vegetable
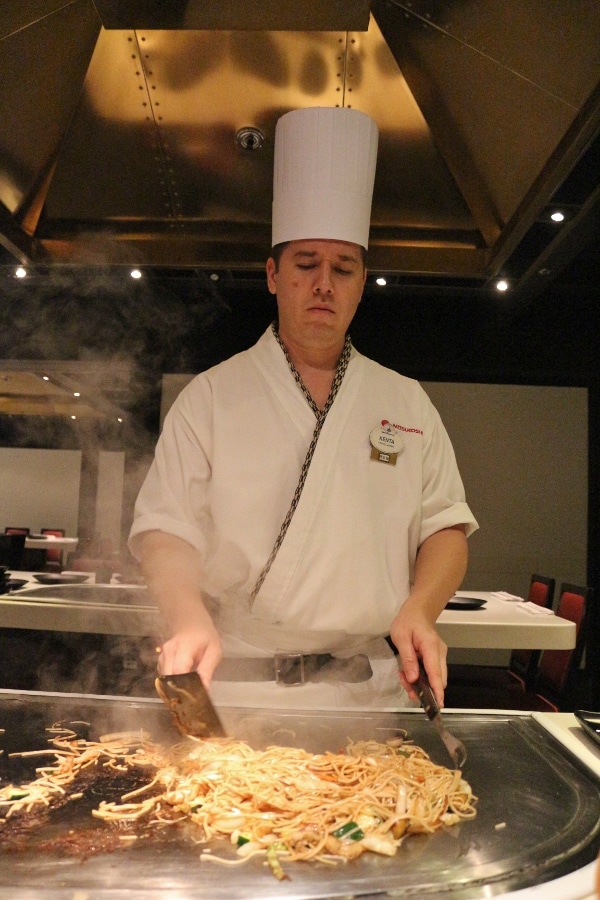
274,863
379,844
350,831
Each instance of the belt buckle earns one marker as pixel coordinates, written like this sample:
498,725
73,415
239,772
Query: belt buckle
290,669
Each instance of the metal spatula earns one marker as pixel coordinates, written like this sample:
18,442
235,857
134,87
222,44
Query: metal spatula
191,707
455,748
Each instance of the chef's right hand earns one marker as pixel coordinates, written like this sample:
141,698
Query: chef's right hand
188,651
172,569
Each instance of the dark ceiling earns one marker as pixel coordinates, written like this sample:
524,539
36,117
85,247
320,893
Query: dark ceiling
124,132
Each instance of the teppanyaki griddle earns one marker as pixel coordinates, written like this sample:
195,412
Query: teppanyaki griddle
538,811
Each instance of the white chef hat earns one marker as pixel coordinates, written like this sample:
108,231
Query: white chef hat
323,175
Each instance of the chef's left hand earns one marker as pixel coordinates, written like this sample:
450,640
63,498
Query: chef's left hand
415,638
439,569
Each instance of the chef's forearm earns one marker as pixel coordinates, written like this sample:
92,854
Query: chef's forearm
440,567
172,569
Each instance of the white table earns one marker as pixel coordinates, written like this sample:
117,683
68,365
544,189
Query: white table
499,624
502,625
52,542
59,613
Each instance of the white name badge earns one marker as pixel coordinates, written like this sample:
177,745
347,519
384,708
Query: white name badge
386,439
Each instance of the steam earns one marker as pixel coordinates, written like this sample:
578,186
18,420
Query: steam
126,334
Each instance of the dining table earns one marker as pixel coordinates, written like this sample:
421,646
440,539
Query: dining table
492,620
51,542
499,620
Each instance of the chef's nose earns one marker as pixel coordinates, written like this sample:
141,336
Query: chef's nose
323,282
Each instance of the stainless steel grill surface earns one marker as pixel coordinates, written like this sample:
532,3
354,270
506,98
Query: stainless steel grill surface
538,812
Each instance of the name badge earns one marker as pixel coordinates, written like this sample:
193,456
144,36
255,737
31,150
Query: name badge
386,443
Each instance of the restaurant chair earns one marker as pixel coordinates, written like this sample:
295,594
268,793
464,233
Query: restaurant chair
523,664
53,556
12,548
31,560
479,684
556,681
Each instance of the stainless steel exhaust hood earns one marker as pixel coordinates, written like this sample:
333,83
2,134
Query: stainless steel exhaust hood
119,122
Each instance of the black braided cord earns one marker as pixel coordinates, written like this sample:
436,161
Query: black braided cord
320,415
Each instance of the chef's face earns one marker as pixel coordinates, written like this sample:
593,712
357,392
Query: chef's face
318,285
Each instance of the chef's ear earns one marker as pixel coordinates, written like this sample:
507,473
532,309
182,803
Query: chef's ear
272,275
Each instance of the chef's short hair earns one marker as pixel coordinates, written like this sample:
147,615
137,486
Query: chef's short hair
278,249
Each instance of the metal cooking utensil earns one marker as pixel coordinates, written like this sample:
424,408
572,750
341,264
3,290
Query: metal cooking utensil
455,748
190,705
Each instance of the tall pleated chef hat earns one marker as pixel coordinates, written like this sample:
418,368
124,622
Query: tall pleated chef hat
323,176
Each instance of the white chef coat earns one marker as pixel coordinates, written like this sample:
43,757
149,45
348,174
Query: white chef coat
226,467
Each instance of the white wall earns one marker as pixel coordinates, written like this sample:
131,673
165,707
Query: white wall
40,488
522,452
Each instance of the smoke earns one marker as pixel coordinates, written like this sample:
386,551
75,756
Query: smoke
119,336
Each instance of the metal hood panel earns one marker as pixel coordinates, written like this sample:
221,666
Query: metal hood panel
43,67
485,111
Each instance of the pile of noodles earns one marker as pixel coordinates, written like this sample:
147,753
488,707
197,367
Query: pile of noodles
281,801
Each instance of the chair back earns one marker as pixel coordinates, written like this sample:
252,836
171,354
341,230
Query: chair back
557,665
541,590
524,663
12,548
53,555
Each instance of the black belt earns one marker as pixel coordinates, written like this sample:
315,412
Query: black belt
296,668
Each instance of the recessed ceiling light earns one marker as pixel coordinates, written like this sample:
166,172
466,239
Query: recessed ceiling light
557,216
21,272
502,285
381,280
135,273
76,394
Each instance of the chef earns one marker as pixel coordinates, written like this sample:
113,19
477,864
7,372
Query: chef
304,502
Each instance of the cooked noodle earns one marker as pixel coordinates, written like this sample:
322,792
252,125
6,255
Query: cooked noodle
280,801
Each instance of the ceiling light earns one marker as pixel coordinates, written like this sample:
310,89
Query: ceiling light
76,394
21,272
45,378
502,285
135,273
557,216
73,417
381,280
